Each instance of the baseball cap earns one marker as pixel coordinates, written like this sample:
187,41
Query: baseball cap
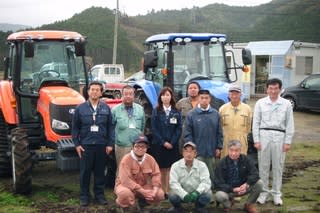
235,88
140,139
190,144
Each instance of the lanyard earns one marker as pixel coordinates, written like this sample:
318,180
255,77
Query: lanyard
94,112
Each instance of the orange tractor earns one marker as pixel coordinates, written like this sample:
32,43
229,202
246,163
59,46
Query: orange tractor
44,77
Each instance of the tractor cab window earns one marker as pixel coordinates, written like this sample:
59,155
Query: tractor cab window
197,60
51,61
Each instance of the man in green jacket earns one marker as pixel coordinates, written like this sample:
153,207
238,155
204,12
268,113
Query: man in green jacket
129,121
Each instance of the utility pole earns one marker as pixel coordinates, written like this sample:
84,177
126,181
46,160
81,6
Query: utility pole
115,38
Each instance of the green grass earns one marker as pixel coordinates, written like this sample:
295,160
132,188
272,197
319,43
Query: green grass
301,193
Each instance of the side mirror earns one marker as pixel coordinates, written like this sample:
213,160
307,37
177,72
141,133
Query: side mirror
150,59
80,49
246,56
28,48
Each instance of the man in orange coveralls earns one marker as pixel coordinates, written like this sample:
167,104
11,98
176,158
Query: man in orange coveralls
138,177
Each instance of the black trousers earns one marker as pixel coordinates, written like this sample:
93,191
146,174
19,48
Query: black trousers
93,160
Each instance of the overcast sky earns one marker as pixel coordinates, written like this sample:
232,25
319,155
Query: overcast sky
38,12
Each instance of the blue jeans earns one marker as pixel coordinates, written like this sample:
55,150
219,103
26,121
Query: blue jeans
203,200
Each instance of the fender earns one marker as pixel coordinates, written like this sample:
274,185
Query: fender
8,102
151,89
218,89
60,96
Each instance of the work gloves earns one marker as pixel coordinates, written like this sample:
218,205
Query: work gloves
191,197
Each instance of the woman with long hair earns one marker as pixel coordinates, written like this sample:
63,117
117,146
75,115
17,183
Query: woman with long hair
166,131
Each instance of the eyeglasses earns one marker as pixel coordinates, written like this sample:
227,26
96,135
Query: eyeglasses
140,146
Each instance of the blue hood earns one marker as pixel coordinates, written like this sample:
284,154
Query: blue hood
218,89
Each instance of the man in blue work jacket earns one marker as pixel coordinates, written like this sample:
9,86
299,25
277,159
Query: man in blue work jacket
92,134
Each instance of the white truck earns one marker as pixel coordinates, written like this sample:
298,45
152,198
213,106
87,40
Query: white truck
111,75
108,73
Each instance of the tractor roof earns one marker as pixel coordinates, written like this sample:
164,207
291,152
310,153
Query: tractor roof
193,36
45,35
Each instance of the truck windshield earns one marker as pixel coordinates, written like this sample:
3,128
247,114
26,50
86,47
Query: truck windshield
198,60
52,61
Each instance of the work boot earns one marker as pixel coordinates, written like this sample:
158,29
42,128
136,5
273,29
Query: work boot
101,201
84,202
250,208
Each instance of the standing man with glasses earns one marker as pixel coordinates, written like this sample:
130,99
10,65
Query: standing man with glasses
92,134
273,129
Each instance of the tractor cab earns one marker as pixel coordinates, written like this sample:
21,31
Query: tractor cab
175,59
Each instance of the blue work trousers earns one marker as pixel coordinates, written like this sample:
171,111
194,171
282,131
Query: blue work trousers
93,160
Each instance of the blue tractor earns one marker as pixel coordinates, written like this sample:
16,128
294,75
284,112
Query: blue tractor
175,59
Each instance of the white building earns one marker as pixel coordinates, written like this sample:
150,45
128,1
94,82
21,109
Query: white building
289,61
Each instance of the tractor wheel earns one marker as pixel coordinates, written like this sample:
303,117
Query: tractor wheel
141,98
5,167
21,161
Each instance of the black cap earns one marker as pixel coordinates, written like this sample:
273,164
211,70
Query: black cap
141,139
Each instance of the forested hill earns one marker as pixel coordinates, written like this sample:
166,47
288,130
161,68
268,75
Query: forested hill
277,20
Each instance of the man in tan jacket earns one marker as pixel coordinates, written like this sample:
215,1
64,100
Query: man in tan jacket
236,119
138,177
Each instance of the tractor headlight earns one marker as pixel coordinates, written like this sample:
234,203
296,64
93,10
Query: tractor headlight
59,125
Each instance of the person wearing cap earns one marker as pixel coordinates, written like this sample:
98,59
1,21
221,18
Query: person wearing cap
189,181
236,118
138,177
166,131
273,130
235,176
203,128
92,135
129,120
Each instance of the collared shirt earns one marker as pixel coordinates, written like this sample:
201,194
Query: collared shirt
128,125
85,117
167,110
276,115
135,157
206,109
184,180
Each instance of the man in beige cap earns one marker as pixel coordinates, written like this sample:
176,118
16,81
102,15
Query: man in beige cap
236,118
189,181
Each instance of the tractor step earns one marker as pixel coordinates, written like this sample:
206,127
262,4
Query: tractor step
67,157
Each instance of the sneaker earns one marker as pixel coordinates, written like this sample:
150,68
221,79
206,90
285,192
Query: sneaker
277,200
263,197
250,208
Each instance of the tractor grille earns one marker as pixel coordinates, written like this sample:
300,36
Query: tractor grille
62,113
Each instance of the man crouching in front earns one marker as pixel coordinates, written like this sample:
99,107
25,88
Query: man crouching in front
138,178
236,176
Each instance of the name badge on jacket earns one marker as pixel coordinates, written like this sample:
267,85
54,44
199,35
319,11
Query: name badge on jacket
94,128
173,120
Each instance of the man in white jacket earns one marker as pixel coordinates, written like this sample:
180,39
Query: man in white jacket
273,129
